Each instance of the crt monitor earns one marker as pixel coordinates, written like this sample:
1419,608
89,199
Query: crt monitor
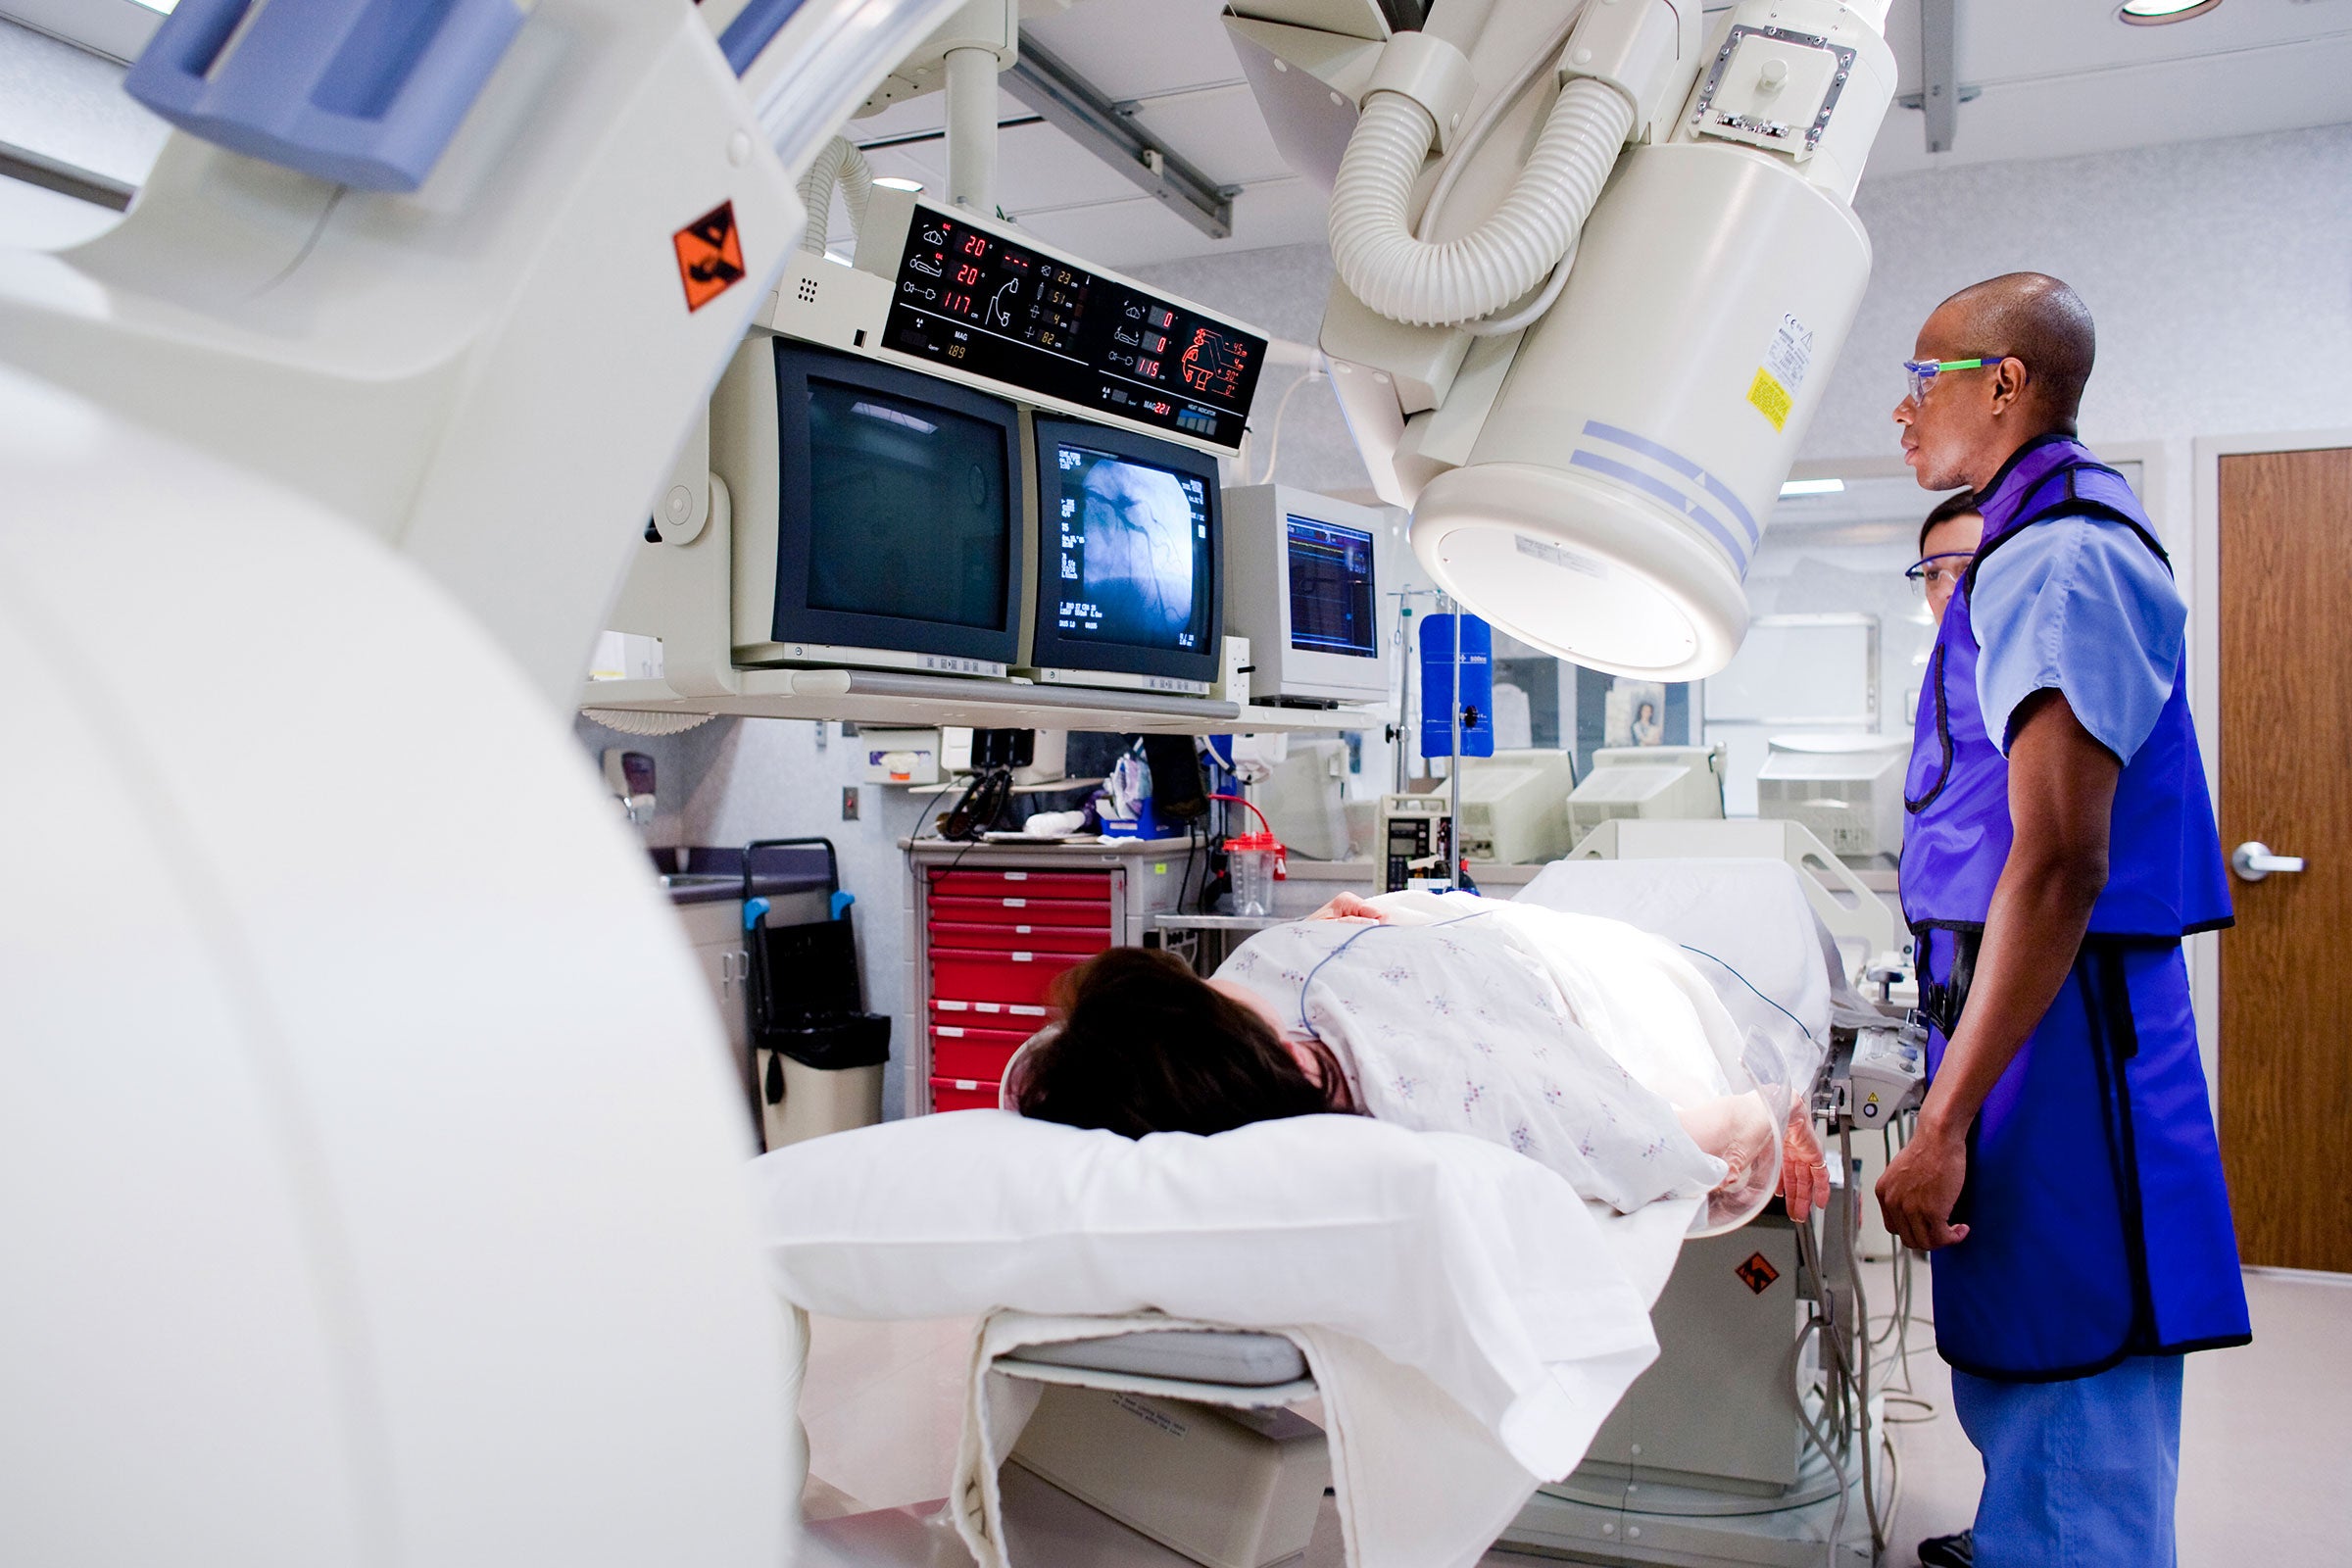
1130,551
889,529
1305,588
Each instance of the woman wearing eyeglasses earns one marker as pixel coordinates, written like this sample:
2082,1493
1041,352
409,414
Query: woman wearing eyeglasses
1947,543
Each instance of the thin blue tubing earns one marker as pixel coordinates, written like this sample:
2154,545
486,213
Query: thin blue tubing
1309,981
1751,986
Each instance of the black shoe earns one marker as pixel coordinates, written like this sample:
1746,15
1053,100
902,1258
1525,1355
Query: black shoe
1949,1552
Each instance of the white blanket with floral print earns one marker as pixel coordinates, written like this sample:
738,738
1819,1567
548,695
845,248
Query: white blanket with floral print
1567,1038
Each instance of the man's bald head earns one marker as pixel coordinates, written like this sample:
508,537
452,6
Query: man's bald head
2033,318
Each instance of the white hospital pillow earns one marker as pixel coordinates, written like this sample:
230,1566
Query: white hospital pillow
1451,1254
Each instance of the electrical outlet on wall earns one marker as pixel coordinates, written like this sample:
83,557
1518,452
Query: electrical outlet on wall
848,802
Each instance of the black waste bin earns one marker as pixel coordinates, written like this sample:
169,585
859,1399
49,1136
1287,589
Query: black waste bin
818,1052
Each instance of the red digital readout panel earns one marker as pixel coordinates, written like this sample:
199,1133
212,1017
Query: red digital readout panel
970,298
1214,362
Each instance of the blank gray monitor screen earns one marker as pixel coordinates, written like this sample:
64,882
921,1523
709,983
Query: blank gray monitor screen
908,507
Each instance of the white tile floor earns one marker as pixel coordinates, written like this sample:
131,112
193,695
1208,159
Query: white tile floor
2266,1460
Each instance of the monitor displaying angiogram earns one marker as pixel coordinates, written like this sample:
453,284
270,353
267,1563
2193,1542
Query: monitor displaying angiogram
1330,568
1131,552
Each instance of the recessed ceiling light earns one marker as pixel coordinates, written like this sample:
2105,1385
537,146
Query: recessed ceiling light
894,182
1811,487
2156,12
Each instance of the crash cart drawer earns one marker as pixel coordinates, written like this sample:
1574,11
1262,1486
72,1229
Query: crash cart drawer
1020,976
962,1094
1016,910
1026,1018
1094,887
977,1053
1019,938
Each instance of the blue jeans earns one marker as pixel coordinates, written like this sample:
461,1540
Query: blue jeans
2079,1474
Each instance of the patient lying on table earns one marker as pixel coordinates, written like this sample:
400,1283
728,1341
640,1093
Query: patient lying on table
1584,1044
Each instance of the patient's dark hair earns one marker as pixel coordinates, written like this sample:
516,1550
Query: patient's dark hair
1147,1046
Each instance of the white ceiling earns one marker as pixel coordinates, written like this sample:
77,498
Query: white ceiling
1171,61
2058,77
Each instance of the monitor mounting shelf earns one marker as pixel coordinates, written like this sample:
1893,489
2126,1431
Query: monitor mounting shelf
892,697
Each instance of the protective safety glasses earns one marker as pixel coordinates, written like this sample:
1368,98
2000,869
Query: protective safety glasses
1921,371
1946,567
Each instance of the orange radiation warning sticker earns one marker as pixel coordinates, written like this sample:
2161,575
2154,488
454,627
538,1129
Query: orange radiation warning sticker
1757,1273
709,256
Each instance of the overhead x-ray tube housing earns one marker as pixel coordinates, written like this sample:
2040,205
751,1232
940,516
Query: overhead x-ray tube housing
1593,475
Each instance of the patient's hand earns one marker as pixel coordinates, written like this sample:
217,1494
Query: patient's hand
1805,1173
1737,1130
1348,906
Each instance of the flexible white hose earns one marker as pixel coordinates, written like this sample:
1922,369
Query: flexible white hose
1465,152
1439,284
1528,314
630,722
1474,136
841,165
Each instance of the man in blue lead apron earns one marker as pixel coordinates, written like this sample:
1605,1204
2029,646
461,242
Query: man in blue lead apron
2060,843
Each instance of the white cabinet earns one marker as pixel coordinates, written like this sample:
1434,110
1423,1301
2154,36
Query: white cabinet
715,930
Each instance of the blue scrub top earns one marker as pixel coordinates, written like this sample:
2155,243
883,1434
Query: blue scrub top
2083,605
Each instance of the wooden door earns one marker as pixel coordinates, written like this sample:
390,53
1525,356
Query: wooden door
2286,782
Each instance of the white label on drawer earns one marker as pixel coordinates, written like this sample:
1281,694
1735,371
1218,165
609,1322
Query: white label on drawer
954,1006
1016,903
967,1083
1023,930
950,1031
1023,1010
1017,876
1024,957
984,1007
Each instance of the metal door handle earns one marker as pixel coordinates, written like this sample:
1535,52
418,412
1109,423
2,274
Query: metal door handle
2253,860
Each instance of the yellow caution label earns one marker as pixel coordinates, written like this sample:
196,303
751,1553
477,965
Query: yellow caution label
1769,397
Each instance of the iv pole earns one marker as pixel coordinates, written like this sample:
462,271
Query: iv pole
1403,729
1408,727
1454,762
